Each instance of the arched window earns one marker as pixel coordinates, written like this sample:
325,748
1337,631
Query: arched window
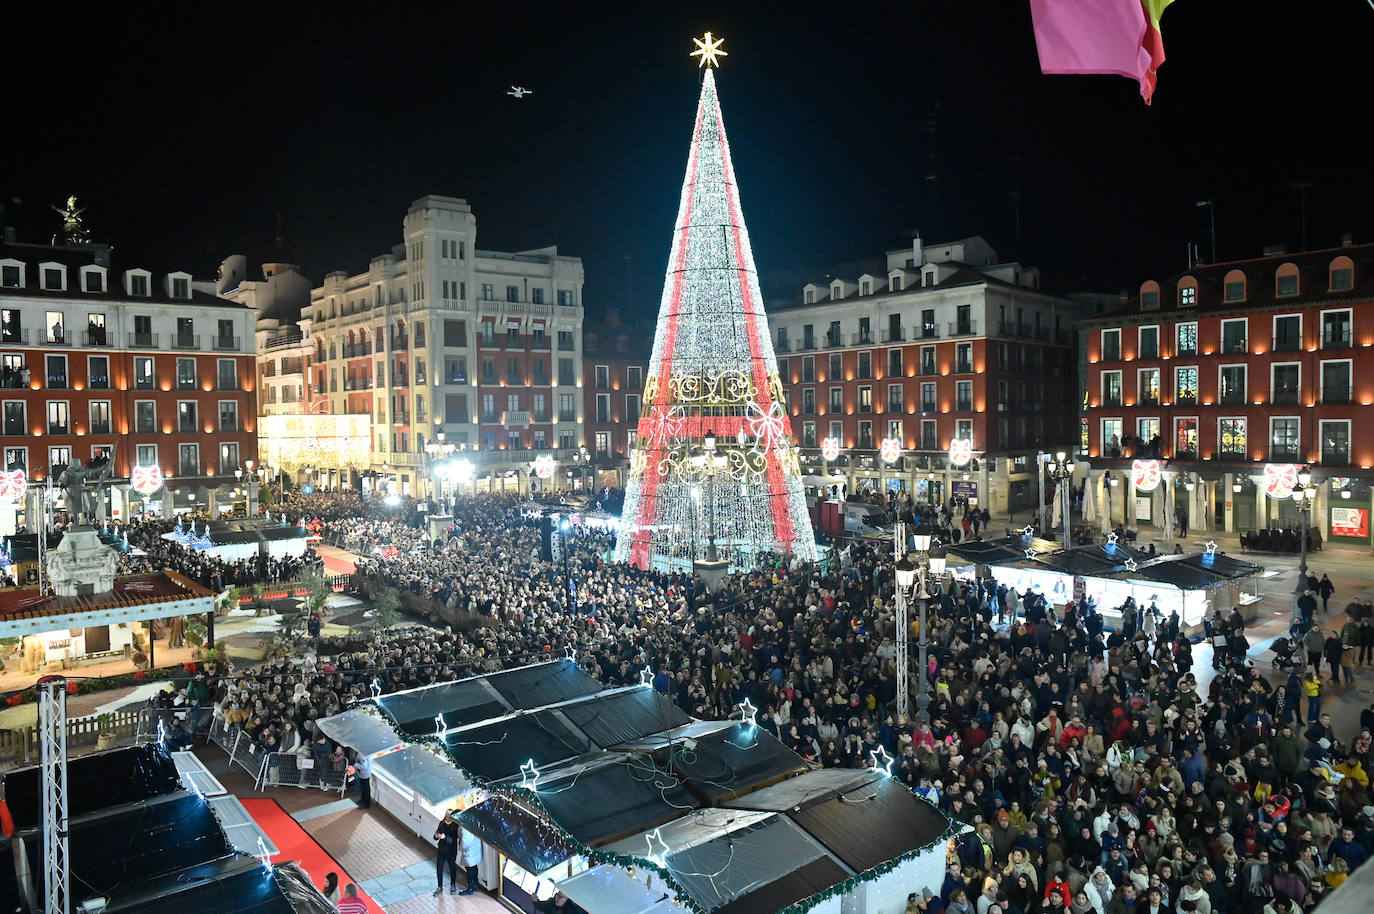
1286,280
1233,289
1342,274
1149,296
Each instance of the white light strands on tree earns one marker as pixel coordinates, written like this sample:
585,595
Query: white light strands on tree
712,369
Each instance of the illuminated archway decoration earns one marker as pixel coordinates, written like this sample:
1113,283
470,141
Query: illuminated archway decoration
1145,475
146,481
890,449
1280,479
830,448
543,466
13,484
960,451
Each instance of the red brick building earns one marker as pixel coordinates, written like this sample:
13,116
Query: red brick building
1238,365
615,362
151,370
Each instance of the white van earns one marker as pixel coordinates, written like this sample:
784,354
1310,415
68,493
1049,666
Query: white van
866,520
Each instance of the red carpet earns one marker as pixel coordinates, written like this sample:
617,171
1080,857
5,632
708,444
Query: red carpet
296,846
337,564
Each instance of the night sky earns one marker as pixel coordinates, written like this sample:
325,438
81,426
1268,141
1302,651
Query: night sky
185,137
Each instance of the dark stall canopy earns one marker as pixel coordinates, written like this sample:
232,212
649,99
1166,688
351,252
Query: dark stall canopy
479,698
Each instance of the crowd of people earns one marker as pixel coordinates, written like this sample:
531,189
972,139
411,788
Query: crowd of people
1095,773
146,535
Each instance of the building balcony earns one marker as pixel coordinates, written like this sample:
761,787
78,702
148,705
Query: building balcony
833,340
142,341
567,417
1287,344
566,346
15,380
969,328
862,338
1149,400
1335,457
540,345
1007,328
1286,397
963,406
400,343
1186,399
189,469
186,341
12,335
963,367
565,380
1112,401
489,380
186,427
928,406
457,377
782,346
289,338
57,382
1232,398
1337,339
490,418
357,383
1111,354
226,343
1283,455
807,345
1336,396
928,444
226,383
188,383
357,350
1235,347
1185,352
95,338
929,371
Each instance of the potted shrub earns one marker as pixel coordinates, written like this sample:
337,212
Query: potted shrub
105,735
259,604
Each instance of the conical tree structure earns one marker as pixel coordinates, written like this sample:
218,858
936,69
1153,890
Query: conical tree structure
712,372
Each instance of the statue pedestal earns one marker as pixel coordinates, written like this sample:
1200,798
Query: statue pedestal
81,564
711,572
438,525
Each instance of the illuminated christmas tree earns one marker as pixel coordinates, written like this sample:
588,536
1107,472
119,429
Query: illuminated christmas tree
713,464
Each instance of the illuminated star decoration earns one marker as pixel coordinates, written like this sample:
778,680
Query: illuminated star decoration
747,711
708,49
1030,553
376,689
161,733
439,726
569,653
1130,565
1111,540
882,761
529,776
1211,547
1028,530
657,855
646,677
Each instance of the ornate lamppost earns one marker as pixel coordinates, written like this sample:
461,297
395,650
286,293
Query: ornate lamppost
1305,495
930,566
1061,471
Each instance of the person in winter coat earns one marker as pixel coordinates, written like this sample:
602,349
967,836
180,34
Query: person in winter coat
471,857
1326,589
1331,648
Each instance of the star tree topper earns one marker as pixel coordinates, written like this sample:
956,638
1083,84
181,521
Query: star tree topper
708,49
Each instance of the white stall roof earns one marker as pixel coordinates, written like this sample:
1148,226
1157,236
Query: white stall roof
607,890
243,833
357,729
195,775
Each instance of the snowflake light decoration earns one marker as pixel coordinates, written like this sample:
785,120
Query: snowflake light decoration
708,50
830,448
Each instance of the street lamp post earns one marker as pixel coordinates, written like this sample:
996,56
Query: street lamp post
1062,472
1305,495
1212,211
930,565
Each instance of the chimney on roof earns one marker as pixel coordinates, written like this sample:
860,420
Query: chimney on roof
1271,250
1347,240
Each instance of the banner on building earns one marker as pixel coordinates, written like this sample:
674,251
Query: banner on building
1350,522
967,488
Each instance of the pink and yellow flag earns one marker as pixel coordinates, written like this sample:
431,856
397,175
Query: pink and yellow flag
1101,36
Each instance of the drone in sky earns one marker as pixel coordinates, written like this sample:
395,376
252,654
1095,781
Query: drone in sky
519,91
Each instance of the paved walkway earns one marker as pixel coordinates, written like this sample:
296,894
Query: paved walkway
390,862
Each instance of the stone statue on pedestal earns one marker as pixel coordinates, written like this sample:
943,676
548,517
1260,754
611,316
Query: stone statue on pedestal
84,505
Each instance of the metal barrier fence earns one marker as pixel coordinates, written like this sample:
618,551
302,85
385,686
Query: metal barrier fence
197,720
287,769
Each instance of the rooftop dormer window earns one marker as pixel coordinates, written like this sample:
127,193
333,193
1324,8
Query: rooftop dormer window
12,274
53,277
1342,274
1286,280
1149,296
1233,289
93,279
137,283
